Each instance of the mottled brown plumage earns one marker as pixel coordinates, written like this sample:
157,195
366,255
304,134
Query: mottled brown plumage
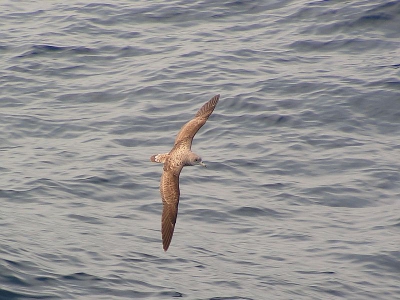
180,156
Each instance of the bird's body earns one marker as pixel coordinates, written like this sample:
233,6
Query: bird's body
180,156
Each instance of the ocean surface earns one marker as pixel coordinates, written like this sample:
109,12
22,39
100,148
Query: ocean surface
301,197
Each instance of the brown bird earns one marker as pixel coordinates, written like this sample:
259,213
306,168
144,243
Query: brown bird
180,156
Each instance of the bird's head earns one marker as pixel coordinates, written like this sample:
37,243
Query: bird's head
194,159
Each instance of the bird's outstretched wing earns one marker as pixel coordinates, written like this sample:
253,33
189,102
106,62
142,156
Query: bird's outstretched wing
169,188
189,130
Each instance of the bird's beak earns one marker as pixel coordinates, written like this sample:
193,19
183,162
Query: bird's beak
203,164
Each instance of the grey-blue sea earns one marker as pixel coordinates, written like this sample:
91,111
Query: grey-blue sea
301,197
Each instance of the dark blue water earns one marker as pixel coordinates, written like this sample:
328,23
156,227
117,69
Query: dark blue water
301,197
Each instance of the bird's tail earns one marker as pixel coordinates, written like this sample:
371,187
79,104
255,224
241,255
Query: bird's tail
159,158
